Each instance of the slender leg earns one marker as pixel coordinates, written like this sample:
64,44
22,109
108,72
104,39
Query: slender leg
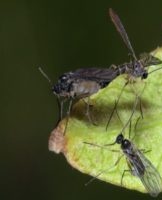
141,111
118,116
60,107
140,101
100,146
60,103
145,151
116,105
88,111
130,129
68,114
126,170
95,177
135,127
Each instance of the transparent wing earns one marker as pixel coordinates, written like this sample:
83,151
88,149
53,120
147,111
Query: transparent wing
151,178
120,28
97,74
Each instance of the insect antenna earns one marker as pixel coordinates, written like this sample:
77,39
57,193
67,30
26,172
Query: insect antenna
60,101
45,75
155,70
103,171
120,28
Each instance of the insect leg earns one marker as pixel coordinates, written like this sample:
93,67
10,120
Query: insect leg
102,146
130,129
145,151
60,106
126,170
135,127
141,111
88,105
102,171
116,103
68,114
95,177
139,97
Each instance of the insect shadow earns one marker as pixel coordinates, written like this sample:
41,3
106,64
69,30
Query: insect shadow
138,164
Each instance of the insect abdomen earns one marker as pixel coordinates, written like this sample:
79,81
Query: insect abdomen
86,88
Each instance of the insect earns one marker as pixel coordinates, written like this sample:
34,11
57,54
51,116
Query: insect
82,83
85,82
135,68
138,164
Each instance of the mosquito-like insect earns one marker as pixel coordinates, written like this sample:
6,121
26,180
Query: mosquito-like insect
80,84
135,68
138,164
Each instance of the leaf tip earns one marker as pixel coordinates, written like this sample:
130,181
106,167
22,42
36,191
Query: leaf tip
56,141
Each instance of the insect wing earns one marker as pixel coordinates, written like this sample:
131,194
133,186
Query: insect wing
96,74
120,28
151,178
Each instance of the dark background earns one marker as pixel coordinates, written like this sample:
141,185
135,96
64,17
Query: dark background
58,36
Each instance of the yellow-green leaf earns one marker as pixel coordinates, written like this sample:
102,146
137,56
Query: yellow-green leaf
94,160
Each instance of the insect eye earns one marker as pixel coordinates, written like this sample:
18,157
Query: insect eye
144,75
56,89
126,144
119,139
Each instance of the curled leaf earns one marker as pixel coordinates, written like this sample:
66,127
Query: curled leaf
146,132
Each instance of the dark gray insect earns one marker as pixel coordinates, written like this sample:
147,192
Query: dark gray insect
140,166
85,82
80,84
137,67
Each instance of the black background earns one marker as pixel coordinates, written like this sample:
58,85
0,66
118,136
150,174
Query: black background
58,36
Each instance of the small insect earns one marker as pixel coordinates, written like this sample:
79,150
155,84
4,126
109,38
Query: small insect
80,84
138,164
137,67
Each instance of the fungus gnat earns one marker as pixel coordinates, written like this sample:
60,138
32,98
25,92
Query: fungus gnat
82,83
138,164
136,67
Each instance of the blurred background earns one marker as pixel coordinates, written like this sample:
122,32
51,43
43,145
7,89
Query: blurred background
58,36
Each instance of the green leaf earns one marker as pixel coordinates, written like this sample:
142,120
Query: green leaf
93,160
